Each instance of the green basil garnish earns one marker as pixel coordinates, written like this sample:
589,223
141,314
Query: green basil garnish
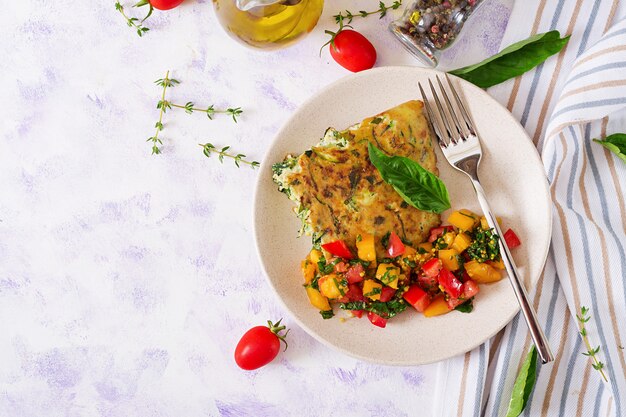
524,384
466,307
417,186
615,143
513,60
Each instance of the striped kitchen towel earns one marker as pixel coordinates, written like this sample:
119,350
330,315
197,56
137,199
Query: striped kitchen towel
576,96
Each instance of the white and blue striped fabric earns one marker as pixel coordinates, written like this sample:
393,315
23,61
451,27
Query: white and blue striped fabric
575,96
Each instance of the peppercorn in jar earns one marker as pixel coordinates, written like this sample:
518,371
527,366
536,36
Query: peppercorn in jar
429,26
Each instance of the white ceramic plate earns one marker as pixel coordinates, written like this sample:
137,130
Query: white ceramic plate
511,173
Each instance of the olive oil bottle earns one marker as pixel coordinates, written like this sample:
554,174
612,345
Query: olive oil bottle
268,24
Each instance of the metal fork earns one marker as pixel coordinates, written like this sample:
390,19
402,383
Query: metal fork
460,144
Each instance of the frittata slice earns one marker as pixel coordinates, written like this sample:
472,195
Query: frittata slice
340,194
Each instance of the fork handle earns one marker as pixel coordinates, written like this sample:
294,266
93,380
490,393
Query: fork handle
536,332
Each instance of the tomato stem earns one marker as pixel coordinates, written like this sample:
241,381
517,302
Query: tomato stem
276,328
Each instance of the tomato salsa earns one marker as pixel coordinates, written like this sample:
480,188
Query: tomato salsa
434,277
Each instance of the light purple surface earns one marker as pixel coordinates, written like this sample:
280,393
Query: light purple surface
126,279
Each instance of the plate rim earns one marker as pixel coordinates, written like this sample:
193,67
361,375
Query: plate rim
265,161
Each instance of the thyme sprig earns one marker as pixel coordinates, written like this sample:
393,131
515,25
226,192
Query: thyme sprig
209,148
591,352
164,105
133,21
210,111
347,15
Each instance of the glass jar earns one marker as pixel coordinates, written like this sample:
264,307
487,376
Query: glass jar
268,24
427,27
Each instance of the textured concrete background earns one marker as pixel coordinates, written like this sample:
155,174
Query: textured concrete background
126,279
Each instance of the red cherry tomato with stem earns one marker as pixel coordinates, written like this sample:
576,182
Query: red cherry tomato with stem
260,345
352,50
160,4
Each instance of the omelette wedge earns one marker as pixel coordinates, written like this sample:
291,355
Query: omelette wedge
339,194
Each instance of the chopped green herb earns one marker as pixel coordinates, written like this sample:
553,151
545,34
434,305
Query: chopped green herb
385,239
327,314
374,291
484,246
323,267
466,307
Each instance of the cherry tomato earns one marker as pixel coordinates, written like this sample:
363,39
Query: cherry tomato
165,4
511,239
352,51
396,247
338,248
417,297
357,313
376,320
259,345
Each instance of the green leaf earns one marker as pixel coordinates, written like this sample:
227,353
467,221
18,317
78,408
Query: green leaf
417,186
513,60
615,143
524,384
466,307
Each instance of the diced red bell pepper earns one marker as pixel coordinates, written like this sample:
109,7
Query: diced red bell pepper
357,313
396,247
417,297
450,283
511,239
432,267
356,273
338,248
437,232
386,294
376,320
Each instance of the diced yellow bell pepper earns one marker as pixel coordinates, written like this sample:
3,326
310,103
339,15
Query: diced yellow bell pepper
449,237
485,226
317,299
427,246
463,219
365,248
315,256
388,273
330,286
308,270
449,259
408,257
497,264
482,273
372,289
437,307
461,242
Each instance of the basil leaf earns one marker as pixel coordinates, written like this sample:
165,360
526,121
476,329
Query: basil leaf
524,384
513,60
615,143
417,186
466,307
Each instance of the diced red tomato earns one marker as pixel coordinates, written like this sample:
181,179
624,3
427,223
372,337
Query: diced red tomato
436,232
357,313
386,294
355,274
450,283
396,247
341,267
511,239
470,289
338,248
454,303
376,320
428,283
432,267
355,293
417,297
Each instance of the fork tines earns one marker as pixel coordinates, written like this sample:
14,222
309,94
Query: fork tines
448,126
